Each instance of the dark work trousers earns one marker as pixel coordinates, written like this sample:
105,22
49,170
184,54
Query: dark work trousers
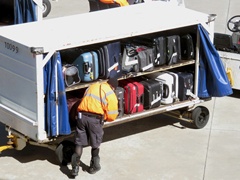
89,130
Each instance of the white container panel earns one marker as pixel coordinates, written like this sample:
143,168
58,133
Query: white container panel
232,61
19,88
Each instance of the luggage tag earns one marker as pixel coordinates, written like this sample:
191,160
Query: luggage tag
91,75
147,67
172,60
158,56
189,93
131,60
155,100
135,106
113,67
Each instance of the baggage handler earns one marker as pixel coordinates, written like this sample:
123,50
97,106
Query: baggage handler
96,5
98,104
119,2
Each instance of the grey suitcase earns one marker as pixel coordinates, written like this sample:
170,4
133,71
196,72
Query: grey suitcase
119,91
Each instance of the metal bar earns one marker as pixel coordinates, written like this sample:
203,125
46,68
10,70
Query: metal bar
20,116
196,74
155,111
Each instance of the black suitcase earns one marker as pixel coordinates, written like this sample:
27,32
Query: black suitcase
187,47
145,58
111,57
153,90
170,89
158,45
159,51
173,49
185,84
119,91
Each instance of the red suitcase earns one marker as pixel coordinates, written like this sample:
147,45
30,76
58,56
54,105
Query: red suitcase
133,95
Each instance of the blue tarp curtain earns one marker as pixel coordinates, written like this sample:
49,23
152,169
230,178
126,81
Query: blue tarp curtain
53,105
213,80
24,11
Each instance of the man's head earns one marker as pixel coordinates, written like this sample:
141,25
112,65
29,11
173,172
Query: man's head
113,82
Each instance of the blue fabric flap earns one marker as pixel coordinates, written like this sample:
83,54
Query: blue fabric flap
213,80
54,104
24,11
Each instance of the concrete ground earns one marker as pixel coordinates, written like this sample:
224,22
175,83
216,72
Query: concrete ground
154,148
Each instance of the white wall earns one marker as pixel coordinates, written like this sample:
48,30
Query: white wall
224,9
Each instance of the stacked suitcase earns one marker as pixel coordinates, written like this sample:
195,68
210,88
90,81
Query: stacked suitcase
153,91
185,85
160,51
161,88
133,96
87,64
169,82
119,91
187,47
112,55
114,59
173,49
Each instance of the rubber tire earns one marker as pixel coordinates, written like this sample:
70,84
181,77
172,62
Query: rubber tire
46,7
64,152
200,117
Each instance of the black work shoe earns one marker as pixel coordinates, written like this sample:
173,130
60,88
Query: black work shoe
94,165
93,170
75,171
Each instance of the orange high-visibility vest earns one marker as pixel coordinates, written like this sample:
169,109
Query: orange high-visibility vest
120,2
100,98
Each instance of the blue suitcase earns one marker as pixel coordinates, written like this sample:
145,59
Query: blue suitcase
87,64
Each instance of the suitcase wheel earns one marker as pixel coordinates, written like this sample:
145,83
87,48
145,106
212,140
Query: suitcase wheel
200,117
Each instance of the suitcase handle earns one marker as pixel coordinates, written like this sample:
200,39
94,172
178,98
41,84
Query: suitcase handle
174,54
131,51
87,68
141,99
165,91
